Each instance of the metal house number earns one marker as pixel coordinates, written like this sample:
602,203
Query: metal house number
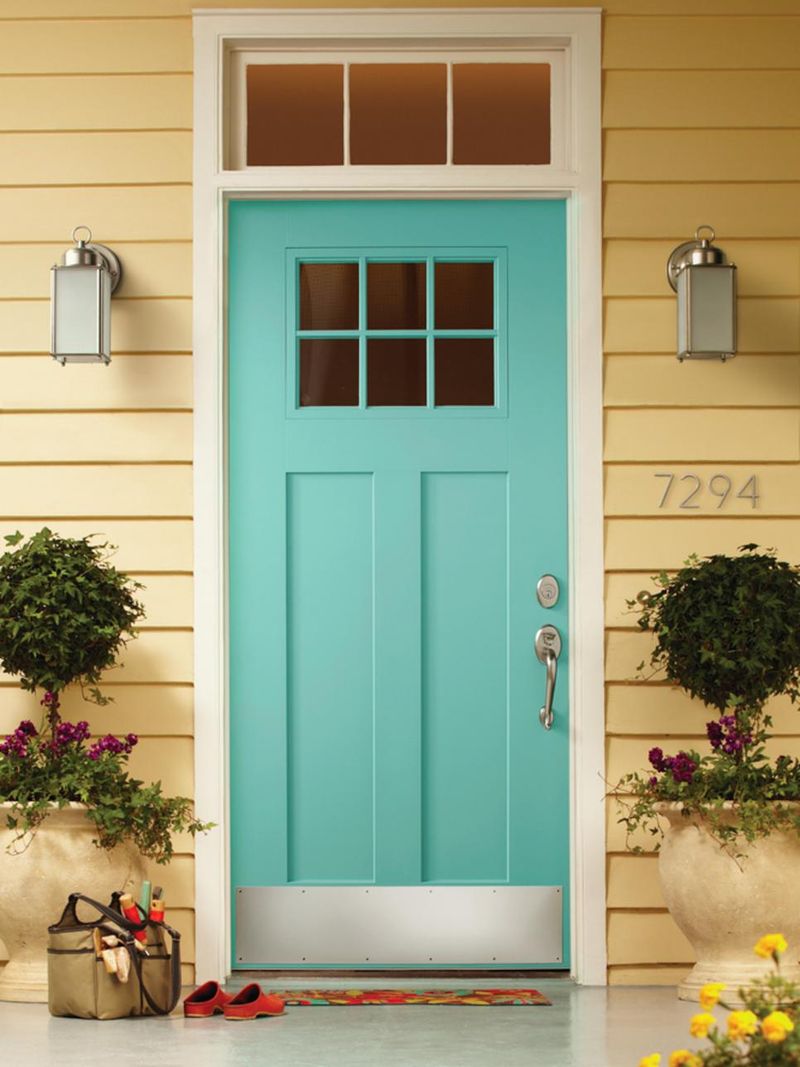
687,491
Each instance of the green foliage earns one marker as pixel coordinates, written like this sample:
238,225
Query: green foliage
727,631
42,773
727,627
65,616
65,611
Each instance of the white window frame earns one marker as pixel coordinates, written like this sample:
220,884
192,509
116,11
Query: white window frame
575,33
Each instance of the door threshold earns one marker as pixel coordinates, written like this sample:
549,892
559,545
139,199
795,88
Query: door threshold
403,973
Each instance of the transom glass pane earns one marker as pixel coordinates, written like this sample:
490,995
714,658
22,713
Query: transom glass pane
328,373
464,371
464,296
396,371
328,296
396,296
501,113
295,115
398,113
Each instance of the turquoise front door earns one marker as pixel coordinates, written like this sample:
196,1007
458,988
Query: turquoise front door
398,485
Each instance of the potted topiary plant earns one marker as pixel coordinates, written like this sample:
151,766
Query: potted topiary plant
75,818
727,630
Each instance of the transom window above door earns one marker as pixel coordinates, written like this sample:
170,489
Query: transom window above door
417,333
375,110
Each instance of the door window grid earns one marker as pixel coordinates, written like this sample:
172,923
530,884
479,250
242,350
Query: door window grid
430,334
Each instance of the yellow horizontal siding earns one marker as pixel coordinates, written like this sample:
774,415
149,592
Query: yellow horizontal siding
148,710
137,325
153,101
96,158
169,760
656,99
36,382
754,209
67,46
636,490
704,155
641,544
672,43
115,213
689,435
649,325
663,975
648,937
167,599
655,381
633,882
765,268
72,491
143,545
662,710
83,9
108,437
152,270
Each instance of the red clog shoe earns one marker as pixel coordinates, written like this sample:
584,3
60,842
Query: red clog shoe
251,1002
205,1001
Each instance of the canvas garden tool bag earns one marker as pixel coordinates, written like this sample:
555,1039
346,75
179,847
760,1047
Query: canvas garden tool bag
78,981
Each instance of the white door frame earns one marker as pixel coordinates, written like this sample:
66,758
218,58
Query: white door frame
577,31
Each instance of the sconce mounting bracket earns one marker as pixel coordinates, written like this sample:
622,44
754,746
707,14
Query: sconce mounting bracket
112,263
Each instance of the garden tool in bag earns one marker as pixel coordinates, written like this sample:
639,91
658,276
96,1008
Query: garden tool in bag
98,969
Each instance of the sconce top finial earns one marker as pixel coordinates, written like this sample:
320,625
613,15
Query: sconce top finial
705,240
83,240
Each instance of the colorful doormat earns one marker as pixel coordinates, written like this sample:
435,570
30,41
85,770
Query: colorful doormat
484,998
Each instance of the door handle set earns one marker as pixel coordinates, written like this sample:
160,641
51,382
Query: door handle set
547,645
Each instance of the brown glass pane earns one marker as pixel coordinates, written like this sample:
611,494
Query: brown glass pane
328,296
501,113
396,371
396,296
398,113
328,373
295,115
464,371
464,296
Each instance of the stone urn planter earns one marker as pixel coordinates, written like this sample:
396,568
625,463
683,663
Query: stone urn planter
725,903
35,884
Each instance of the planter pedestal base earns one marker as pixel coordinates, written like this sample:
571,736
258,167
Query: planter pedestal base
725,900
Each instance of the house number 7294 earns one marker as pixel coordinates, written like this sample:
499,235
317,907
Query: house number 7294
690,490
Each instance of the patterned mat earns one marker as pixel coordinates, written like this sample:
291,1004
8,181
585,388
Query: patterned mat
506,998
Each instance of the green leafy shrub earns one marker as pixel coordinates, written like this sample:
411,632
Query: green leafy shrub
727,631
65,616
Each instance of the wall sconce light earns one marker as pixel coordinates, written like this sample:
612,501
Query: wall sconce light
80,302
706,286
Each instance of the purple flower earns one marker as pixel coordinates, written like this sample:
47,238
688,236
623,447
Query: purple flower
49,699
656,757
16,743
112,744
682,767
68,733
725,734
652,782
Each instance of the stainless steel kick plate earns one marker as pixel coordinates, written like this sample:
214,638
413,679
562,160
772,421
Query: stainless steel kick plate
398,925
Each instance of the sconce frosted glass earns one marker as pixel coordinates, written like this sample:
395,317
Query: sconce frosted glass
706,286
80,302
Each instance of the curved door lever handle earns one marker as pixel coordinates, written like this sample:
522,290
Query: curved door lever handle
547,646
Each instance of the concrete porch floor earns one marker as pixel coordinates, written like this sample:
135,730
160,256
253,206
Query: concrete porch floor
586,1027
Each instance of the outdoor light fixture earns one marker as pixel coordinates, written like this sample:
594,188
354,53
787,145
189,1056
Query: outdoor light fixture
706,286
80,302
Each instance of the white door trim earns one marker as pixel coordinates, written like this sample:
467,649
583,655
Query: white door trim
578,31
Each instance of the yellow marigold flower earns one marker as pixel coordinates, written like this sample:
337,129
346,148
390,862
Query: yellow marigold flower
769,945
709,994
682,1057
653,1060
741,1024
776,1027
701,1024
